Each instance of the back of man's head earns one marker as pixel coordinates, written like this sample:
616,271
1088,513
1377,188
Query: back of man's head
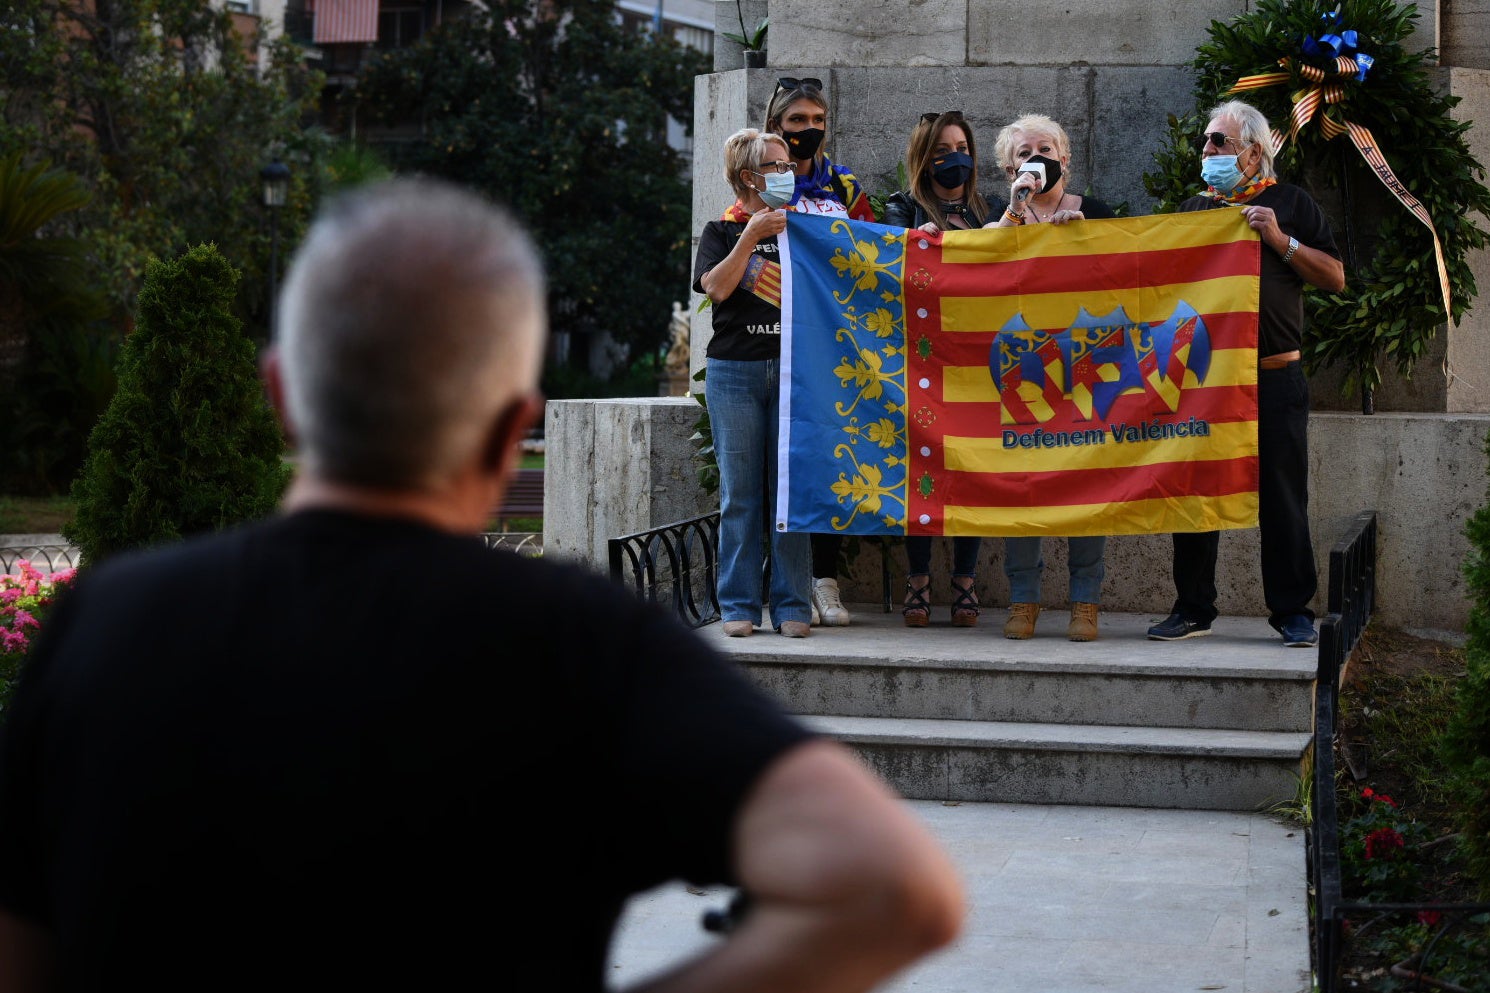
411,316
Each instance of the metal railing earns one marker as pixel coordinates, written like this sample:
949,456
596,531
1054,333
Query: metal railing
676,564
526,543
1352,595
43,558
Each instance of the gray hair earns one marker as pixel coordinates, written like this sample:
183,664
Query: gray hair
1253,127
412,314
744,150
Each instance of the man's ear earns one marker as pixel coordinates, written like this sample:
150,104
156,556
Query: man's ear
272,374
510,427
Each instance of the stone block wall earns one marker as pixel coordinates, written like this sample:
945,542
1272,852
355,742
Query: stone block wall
617,467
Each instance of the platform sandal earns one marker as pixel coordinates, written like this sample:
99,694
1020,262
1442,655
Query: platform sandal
917,610
964,604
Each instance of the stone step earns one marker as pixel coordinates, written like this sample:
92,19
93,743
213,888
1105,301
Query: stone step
964,714
1239,678
1105,765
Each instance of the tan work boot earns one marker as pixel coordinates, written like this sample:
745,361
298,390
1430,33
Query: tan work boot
1021,622
1083,622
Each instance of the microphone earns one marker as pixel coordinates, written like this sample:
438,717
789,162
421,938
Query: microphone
1038,170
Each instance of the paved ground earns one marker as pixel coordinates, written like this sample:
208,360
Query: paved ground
1075,899
1069,899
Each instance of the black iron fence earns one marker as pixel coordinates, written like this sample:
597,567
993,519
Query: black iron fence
1352,595
675,564
527,543
43,558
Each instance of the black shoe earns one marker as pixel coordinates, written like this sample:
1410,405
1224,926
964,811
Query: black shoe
1177,627
1298,632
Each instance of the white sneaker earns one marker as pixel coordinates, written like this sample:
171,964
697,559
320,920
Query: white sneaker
816,617
827,603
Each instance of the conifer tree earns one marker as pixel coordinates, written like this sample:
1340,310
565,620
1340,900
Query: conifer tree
1467,741
188,443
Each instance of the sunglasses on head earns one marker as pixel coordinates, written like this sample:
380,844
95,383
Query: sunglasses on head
793,83
931,115
1217,138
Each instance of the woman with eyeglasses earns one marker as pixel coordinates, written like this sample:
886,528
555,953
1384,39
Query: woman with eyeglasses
1236,164
798,112
942,159
1035,152
738,269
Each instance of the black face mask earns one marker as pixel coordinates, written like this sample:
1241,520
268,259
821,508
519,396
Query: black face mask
951,169
803,145
1052,171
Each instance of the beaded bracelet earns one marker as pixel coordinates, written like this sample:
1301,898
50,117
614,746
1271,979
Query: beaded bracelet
1016,218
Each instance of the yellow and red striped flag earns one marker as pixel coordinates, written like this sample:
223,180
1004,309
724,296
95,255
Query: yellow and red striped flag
1093,378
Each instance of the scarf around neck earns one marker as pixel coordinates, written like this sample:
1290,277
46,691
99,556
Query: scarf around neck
1241,195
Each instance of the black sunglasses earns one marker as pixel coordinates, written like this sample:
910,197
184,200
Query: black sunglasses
1217,138
793,83
931,115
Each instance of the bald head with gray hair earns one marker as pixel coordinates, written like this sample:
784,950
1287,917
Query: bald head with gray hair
413,315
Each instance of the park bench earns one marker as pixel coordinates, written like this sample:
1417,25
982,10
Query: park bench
524,498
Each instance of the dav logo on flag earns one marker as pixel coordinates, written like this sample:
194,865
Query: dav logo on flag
1093,379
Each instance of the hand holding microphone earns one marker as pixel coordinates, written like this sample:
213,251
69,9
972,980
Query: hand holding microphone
1023,189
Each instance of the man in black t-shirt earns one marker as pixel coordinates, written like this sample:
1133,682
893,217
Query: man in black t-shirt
1297,248
351,748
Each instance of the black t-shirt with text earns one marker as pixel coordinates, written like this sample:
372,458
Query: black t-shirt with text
746,327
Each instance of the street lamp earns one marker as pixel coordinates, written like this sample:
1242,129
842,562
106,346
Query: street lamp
276,179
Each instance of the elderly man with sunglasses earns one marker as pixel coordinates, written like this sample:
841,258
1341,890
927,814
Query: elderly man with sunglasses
1298,248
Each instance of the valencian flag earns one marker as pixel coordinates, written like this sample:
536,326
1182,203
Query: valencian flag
1093,378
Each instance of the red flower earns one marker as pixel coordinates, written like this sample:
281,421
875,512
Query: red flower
1383,843
1429,917
1368,793
1386,800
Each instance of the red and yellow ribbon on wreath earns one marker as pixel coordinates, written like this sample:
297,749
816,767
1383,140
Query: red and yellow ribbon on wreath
1325,89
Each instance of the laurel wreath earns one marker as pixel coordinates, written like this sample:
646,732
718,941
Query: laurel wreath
1392,305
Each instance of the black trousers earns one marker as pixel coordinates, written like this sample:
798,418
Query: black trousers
1289,579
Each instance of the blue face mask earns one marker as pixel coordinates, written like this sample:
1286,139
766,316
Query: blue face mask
951,169
780,186
1221,173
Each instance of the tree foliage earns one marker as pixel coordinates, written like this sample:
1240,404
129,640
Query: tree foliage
166,115
1467,742
558,111
187,443
55,351
1392,306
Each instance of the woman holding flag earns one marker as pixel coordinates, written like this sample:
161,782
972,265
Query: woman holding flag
1035,152
943,158
738,269
798,112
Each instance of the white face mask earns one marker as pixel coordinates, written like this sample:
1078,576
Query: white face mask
780,186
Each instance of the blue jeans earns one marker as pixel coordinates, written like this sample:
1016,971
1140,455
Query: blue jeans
1023,565
964,555
743,414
